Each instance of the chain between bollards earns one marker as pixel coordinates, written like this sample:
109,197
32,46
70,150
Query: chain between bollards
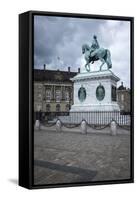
83,126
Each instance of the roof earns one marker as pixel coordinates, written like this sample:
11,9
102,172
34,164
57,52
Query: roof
121,87
53,75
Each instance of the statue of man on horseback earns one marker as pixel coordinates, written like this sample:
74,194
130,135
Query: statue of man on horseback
95,53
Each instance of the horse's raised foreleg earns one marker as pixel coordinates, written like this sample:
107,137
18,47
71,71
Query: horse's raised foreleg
87,65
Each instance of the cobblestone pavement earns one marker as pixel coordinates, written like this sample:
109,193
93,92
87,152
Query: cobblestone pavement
71,157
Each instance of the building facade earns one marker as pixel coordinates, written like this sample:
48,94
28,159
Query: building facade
53,90
123,98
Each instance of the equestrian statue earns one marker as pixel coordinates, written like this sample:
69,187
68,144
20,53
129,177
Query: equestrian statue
94,53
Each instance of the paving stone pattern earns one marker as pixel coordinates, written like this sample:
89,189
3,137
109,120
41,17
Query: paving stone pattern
72,157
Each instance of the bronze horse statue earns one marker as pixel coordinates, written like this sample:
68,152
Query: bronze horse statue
98,54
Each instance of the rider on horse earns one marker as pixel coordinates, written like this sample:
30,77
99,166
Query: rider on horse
94,47
95,53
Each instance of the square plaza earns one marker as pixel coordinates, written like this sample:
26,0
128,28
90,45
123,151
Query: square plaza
72,157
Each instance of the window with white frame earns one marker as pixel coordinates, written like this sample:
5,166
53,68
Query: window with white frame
48,95
58,95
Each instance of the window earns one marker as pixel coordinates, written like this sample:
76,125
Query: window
67,95
58,95
67,107
58,108
48,107
48,95
39,96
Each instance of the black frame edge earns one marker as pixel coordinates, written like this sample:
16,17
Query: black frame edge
80,15
24,132
132,96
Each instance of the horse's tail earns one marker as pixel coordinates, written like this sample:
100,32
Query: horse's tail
108,59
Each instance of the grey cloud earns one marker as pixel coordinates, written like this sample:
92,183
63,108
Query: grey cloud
63,37
60,37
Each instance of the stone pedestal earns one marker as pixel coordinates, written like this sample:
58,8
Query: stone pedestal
95,91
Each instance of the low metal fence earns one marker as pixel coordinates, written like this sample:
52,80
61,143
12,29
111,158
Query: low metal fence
95,118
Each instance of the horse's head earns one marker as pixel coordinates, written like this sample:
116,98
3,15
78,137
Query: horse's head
85,47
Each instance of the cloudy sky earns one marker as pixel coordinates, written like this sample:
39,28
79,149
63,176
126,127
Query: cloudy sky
58,41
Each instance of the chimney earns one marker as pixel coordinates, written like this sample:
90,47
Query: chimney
79,70
44,67
68,69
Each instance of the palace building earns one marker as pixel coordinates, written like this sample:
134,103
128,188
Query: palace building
53,90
